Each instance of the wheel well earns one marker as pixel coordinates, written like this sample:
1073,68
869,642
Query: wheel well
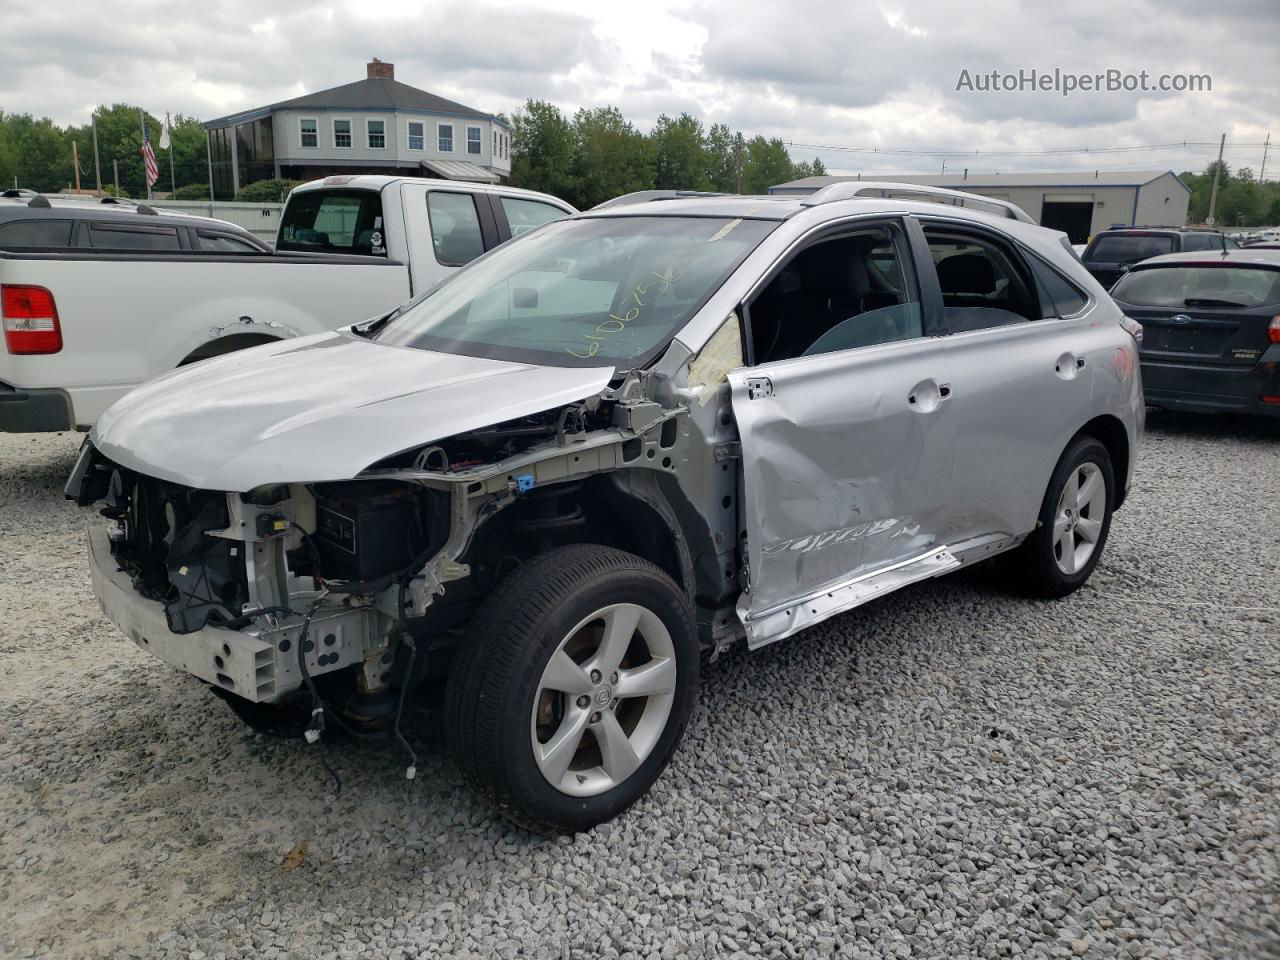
227,344
589,511
1110,432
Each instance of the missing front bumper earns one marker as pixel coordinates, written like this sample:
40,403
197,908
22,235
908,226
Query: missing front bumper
258,664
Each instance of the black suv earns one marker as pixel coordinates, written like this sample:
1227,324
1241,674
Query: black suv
1112,252
32,221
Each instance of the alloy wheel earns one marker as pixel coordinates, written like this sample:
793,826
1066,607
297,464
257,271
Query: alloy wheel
603,700
1077,523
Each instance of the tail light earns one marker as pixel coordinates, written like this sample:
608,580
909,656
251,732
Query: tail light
1133,328
1273,330
30,320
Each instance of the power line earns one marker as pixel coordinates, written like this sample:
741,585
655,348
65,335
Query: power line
1058,152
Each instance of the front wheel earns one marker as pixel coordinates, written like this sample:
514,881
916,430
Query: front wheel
1074,521
574,686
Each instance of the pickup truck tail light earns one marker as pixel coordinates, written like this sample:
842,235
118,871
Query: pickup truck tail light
1133,328
30,320
1273,330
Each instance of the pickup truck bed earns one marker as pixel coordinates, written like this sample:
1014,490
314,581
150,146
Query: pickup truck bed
125,319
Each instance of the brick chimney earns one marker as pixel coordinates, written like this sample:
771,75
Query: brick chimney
377,70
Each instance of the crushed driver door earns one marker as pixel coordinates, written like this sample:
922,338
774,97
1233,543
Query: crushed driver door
847,461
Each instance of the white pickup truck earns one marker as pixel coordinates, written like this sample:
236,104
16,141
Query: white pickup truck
99,298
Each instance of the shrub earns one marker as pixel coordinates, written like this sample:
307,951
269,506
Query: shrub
191,191
267,191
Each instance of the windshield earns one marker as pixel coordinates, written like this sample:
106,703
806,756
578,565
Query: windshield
581,292
333,221
1206,286
1123,248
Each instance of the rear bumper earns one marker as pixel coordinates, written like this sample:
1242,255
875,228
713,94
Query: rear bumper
1206,388
34,411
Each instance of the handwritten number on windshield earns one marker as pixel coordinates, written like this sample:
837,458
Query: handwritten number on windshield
615,325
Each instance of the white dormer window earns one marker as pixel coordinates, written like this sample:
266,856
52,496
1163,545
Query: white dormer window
473,140
376,131
416,135
444,137
308,132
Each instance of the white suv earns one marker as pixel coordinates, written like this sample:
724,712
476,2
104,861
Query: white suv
647,430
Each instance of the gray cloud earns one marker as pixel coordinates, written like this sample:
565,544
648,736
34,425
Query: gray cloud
814,72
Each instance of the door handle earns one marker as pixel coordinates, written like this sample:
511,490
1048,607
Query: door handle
925,397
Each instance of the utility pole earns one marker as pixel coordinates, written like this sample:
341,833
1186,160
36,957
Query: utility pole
944,166
1263,169
75,162
97,166
1217,172
737,162
115,175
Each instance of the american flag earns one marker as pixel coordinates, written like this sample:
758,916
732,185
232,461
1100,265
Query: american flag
149,158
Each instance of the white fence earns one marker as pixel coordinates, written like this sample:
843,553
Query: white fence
261,219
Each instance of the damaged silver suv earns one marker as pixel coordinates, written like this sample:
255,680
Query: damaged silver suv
541,489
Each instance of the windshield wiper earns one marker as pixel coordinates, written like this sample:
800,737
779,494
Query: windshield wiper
370,327
1209,302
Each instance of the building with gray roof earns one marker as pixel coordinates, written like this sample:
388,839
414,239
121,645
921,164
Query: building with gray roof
1077,202
374,125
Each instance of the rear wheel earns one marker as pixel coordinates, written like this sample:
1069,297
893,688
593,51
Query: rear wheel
575,684
1074,521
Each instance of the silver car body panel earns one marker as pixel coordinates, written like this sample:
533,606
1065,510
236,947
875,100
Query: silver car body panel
319,408
826,479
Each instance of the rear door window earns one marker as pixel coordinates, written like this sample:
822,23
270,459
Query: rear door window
333,221
455,227
524,215
984,283
35,233
1129,248
119,236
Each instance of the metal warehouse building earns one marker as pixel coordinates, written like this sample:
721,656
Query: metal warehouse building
1079,203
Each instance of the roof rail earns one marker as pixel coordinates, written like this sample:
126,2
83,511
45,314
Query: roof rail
848,189
648,196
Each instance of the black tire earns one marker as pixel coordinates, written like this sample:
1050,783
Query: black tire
493,683
1036,560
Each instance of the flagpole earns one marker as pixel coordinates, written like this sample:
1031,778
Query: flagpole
173,183
97,166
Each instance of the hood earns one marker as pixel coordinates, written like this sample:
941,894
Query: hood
319,408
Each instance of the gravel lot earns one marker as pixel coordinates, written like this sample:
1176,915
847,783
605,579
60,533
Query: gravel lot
951,772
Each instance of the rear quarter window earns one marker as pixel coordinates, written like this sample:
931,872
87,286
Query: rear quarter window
42,234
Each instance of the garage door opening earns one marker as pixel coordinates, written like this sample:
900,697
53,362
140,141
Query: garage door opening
1074,218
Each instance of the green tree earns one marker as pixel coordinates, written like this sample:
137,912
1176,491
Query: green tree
542,146
120,139
36,152
681,161
610,158
766,163
724,149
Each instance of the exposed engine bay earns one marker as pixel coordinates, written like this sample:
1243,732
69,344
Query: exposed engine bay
343,595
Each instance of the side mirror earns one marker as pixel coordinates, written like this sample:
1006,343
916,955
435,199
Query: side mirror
524,298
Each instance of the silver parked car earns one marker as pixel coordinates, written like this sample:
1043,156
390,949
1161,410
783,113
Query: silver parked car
665,426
